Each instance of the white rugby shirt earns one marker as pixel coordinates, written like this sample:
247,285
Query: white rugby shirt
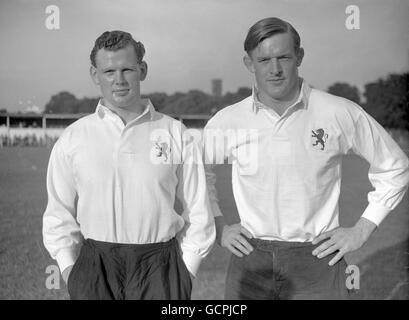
117,183
292,193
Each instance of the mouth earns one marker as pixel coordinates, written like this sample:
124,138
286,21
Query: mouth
276,82
279,80
121,92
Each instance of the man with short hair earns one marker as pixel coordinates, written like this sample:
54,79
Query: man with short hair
112,181
288,244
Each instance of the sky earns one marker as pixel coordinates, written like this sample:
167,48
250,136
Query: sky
190,42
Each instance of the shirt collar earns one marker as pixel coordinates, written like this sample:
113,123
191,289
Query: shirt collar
102,110
302,100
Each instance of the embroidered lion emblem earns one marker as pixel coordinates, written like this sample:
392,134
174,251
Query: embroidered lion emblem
320,136
162,149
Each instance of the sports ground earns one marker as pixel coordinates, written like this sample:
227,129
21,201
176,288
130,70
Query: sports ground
382,261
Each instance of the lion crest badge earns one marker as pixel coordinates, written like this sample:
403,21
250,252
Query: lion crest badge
320,137
162,150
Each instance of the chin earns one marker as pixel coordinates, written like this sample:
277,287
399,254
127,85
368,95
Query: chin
116,104
276,94
120,103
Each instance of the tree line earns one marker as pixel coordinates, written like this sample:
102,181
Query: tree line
191,102
386,99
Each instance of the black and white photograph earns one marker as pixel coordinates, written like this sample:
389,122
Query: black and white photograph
201,150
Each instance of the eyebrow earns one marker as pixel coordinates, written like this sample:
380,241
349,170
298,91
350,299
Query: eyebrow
283,55
113,69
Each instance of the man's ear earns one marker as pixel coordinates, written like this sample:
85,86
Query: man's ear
248,62
300,56
93,74
143,66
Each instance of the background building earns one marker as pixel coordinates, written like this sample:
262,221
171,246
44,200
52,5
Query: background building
217,88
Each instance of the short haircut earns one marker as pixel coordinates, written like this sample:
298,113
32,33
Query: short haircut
116,40
266,28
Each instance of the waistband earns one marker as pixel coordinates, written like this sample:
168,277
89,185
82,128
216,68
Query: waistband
103,245
276,244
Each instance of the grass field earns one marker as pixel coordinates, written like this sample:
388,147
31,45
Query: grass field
383,261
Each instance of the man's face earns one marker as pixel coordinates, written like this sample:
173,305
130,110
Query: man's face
275,63
118,74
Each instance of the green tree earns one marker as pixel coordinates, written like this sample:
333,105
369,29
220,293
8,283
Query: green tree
87,105
193,102
345,90
63,102
387,100
158,99
232,98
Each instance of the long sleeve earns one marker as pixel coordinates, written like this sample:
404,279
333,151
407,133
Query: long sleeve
61,232
389,166
214,150
199,233
212,191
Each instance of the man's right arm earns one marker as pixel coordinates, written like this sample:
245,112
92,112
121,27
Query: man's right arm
61,232
228,236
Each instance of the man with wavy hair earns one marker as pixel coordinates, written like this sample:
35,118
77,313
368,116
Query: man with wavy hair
112,181
288,244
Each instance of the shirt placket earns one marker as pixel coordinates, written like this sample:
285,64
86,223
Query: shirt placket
275,120
279,121
119,125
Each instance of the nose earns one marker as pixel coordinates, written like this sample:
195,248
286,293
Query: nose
275,67
119,78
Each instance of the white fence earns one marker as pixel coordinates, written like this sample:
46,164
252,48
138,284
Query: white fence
15,133
28,136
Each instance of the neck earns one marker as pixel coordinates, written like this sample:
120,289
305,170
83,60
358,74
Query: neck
280,106
127,113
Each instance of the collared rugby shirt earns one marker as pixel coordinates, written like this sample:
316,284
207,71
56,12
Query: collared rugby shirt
117,183
287,184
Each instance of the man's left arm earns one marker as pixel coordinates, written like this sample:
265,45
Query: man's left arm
199,233
388,174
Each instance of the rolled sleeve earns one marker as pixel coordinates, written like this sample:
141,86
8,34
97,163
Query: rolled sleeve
375,213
